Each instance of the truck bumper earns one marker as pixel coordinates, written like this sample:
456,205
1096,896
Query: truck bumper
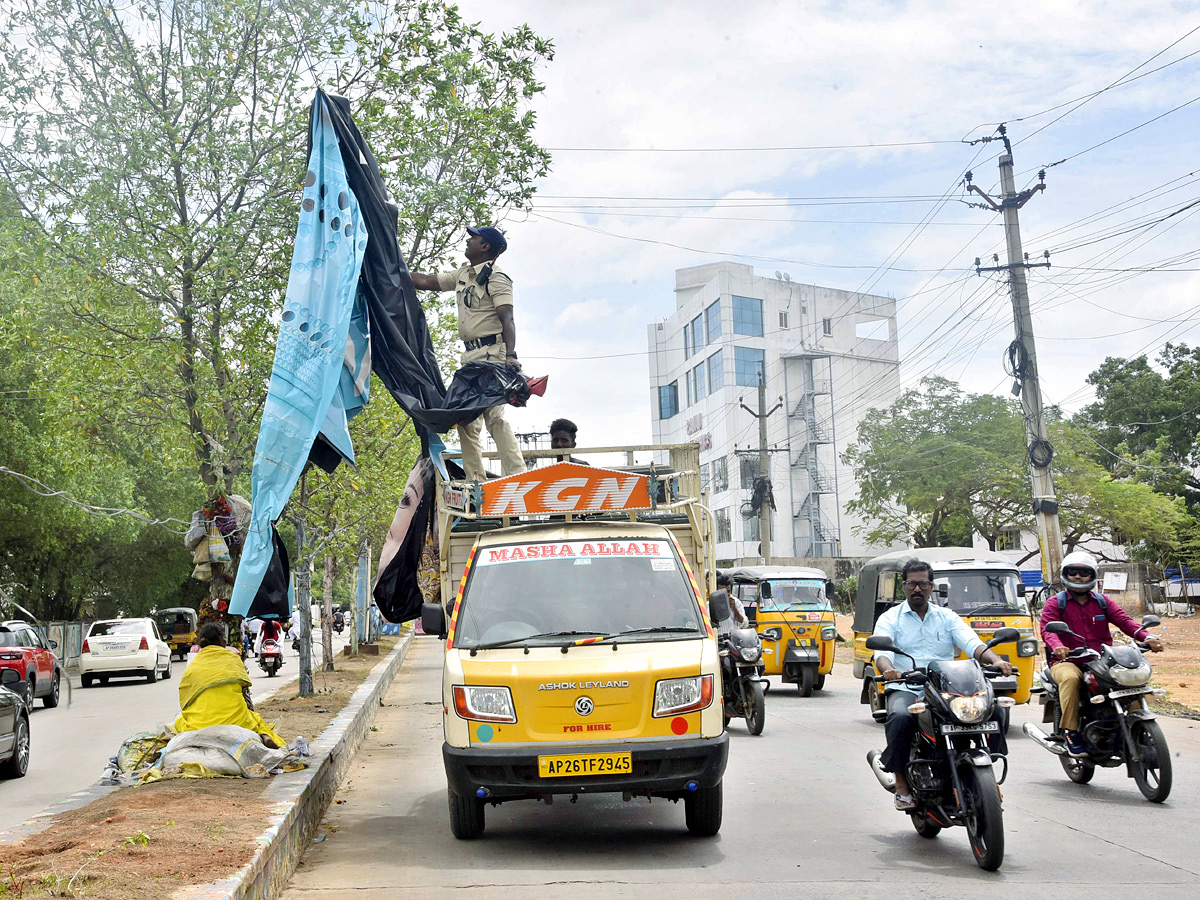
660,768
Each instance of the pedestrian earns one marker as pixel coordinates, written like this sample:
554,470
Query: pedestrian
562,437
485,324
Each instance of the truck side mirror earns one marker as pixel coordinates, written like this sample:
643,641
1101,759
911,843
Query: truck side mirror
765,591
1020,589
718,606
433,619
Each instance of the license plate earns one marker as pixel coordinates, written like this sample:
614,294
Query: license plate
590,764
1129,691
981,728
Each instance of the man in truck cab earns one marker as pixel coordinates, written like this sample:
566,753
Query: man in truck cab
485,324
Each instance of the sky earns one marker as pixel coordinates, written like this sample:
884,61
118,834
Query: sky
721,87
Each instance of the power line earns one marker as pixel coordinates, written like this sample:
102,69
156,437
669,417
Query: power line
802,148
34,486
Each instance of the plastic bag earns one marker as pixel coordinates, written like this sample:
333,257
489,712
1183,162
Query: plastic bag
218,550
196,532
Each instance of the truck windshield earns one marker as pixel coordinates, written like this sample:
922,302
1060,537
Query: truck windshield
983,592
795,593
598,587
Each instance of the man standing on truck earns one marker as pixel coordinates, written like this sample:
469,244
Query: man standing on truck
485,324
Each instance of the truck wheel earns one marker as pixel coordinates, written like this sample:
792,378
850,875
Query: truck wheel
702,811
466,816
805,684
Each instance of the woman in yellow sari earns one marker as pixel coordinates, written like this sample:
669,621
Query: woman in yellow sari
210,691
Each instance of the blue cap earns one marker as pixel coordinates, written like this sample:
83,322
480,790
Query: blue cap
493,236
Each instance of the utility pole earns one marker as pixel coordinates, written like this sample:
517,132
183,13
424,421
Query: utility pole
1023,359
303,596
764,465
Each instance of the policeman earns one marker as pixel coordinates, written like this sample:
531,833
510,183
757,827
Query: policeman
485,324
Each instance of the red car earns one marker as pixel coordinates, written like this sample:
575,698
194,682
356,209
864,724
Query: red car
22,649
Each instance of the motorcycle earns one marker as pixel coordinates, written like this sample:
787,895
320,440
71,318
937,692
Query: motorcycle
742,685
1114,723
270,657
951,770
339,623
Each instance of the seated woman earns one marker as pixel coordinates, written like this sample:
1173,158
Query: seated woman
210,691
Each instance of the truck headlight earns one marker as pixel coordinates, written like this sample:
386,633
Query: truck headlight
484,704
1027,647
970,710
682,695
828,633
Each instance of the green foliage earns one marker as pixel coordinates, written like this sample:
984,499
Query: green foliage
151,175
939,466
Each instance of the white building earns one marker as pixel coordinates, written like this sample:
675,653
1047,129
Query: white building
829,356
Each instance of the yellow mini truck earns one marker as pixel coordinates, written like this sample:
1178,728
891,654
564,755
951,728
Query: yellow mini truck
579,655
795,603
983,587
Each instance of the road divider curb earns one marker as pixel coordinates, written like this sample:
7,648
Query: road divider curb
298,800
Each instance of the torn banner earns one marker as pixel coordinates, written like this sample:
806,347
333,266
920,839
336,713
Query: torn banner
353,283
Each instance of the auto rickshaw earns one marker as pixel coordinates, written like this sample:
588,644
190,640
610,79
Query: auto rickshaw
795,602
177,625
983,587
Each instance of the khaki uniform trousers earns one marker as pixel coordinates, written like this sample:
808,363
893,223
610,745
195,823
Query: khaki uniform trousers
471,434
1069,678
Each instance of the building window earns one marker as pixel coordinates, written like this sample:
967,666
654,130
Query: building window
668,400
698,334
700,381
716,373
712,322
704,476
749,470
720,475
724,532
747,364
687,341
783,320
827,326
1008,539
747,316
750,530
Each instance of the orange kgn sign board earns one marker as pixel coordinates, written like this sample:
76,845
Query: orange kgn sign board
565,488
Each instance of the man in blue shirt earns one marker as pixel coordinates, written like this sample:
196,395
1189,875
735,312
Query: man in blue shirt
928,633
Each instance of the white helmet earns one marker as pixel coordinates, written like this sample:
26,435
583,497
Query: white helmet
1079,559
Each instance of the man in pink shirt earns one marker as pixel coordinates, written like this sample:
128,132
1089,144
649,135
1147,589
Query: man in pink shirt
1088,614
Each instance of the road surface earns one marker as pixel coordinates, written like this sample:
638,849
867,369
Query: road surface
71,745
804,817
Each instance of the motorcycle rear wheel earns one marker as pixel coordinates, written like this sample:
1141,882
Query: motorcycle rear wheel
1153,781
985,818
756,709
1078,770
925,826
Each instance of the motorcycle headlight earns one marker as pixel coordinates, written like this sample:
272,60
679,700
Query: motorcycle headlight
1130,677
970,710
750,654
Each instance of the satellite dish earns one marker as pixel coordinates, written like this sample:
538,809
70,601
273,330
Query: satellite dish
787,277
778,275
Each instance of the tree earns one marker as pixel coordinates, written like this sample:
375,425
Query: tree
156,152
939,466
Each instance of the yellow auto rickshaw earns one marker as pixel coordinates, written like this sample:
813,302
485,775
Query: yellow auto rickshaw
983,587
177,625
793,602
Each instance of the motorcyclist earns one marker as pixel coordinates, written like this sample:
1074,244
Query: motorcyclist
1088,613
929,633
270,631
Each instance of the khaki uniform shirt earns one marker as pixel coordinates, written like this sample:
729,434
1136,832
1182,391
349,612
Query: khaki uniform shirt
477,305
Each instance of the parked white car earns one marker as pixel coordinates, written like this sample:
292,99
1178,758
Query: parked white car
119,648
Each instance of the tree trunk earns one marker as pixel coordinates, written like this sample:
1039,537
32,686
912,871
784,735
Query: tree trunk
327,616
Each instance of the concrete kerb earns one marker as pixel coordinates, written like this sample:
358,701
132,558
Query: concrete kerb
299,799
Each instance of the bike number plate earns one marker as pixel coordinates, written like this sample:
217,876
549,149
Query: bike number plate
589,764
982,728
1128,692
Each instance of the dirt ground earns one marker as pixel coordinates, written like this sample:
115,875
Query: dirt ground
1176,669
146,842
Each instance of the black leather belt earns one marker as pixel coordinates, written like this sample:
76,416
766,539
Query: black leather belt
476,343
